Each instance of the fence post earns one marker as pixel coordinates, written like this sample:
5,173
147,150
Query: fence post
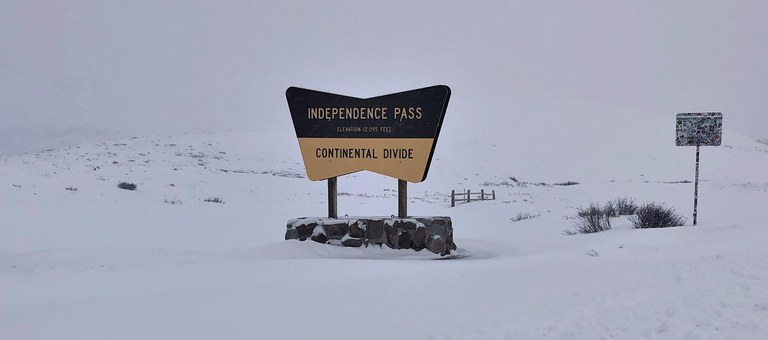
468,192
494,194
482,194
453,198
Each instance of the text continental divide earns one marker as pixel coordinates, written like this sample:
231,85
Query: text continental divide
363,153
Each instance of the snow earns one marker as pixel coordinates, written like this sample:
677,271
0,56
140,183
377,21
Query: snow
102,262
543,92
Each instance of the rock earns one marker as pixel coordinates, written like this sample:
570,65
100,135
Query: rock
291,234
392,236
336,231
305,230
374,231
449,240
404,224
417,241
404,240
352,242
438,226
357,229
436,244
320,238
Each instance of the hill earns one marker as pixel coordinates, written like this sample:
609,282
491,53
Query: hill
196,251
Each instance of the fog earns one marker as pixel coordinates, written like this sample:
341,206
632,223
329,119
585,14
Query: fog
74,70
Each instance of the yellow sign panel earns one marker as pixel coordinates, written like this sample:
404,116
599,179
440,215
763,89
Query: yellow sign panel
402,158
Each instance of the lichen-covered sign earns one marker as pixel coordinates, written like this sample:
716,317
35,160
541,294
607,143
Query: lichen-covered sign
394,135
700,128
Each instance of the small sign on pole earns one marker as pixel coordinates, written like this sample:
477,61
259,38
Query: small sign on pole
698,129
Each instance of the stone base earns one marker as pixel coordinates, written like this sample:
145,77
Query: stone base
431,232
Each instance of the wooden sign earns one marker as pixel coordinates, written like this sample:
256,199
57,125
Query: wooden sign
393,135
701,128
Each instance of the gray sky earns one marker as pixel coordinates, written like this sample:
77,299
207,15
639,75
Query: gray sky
144,67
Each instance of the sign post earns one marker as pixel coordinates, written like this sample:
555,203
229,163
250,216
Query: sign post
333,211
402,198
696,189
699,129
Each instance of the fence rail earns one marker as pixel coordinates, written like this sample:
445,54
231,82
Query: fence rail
470,196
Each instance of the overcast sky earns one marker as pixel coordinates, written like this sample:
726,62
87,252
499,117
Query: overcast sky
145,67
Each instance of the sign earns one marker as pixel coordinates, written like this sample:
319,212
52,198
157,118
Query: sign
393,135
704,129
699,129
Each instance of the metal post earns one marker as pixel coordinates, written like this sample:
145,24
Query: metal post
696,188
453,198
402,198
332,194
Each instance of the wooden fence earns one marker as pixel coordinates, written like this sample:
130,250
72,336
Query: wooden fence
471,196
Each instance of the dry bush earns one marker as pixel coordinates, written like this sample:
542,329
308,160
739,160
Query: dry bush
126,186
656,215
524,216
625,206
591,219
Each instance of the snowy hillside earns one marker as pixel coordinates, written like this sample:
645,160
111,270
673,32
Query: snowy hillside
82,259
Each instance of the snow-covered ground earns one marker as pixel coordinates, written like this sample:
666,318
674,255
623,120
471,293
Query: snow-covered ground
160,262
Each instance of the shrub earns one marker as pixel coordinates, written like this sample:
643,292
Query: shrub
610,209
126,186
71,189
625,206
655,215
591,219
213,200
524,216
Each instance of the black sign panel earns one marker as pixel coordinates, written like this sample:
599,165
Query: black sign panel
412,114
